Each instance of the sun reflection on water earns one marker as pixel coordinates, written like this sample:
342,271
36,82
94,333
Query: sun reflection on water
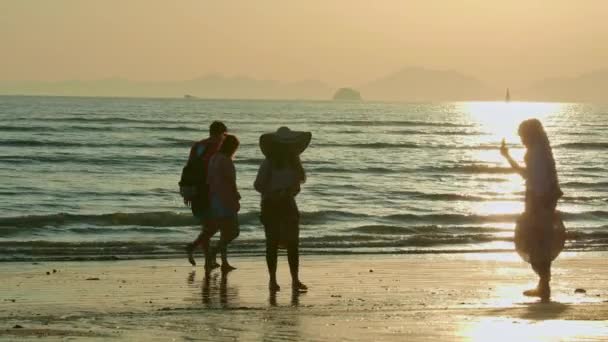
501,119
498,120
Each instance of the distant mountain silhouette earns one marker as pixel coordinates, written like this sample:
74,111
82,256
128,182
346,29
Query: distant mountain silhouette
210,86
408,84
420,84
588,87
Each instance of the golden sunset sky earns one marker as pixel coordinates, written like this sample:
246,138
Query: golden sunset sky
337,41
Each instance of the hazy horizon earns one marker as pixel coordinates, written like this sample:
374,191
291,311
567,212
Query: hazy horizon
341,43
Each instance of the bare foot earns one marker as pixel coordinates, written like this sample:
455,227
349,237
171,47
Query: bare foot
226,267
298,286
273,286
543,293
210,262
532,293
211,265
189,251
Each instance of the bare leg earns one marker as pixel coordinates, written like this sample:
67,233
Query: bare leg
203,240
229,230
543,290
199,241
293,257
272,247
190,253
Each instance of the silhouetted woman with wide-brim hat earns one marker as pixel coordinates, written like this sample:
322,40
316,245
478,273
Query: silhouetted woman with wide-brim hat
279,181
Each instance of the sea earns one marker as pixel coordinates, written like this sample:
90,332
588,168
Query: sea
96,178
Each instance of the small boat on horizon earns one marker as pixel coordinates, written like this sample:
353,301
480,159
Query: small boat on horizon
507,96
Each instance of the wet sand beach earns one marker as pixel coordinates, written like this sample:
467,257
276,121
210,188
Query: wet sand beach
444,297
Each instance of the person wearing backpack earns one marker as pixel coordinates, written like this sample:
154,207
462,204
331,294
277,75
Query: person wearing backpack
195,190
278,181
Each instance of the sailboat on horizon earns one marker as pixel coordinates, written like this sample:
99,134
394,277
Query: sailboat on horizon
507,96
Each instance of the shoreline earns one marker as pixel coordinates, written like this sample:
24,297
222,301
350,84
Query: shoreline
237,251
352,297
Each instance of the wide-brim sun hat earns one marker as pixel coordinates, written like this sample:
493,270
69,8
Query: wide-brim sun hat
294,142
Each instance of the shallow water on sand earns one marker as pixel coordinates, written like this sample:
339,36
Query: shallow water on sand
97,177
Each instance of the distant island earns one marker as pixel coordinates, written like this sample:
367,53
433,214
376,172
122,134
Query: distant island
190,97
347,94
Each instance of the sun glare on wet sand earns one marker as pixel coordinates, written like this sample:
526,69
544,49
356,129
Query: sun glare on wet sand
500,329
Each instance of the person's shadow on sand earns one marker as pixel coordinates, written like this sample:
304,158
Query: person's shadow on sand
542,311
534,311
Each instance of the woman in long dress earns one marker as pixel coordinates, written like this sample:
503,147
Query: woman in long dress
540,233
278,181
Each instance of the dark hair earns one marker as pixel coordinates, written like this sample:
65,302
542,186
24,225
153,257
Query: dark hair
281,159
229,145
217,128
533,132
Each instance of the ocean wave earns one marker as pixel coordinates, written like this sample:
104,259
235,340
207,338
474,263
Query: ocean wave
142,161
585,199
431,132
584,185
93,250
472,169
87,128
379,240
162,242
167,142
449,196
110,120
154,219
365,170
411,145
173,219
591,168
597,234
381,229
376,145
588,215
452,218
149,219
399,123
584,145
494,218
14,128
43,143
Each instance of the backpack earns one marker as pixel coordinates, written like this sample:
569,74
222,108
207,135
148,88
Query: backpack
193,181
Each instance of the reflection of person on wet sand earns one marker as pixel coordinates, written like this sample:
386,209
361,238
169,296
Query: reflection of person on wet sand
295,298
278,181
223,292
539,235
